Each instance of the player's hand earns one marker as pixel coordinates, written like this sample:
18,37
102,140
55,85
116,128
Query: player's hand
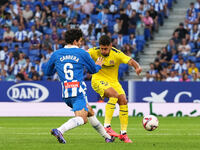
138,70
99,61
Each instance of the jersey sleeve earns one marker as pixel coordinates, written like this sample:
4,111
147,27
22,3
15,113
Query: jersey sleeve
123,59
49,67
90,64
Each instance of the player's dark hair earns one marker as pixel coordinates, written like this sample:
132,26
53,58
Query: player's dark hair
73,35
104,40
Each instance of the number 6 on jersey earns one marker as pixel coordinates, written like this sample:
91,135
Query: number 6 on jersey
69,74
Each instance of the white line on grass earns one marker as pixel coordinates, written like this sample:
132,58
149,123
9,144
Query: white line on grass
89,134
86,128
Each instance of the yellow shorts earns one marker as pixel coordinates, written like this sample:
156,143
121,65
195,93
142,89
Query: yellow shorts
100,86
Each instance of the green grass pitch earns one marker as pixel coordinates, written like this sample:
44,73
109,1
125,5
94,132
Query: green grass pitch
32,133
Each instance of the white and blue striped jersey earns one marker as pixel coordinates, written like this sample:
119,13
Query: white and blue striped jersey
69,63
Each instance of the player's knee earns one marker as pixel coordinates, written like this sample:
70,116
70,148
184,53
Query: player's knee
85,120
90,111
83,114
122,100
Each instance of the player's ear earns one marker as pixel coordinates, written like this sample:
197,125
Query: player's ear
75,42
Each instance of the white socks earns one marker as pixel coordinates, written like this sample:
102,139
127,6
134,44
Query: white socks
77,121
98,127
106,125
70,124
122,132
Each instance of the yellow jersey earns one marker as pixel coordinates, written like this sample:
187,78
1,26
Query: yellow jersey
193,70
109,71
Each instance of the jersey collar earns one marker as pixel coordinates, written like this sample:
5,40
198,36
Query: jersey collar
71,46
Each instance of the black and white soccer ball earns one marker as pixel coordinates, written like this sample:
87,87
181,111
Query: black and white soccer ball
150,122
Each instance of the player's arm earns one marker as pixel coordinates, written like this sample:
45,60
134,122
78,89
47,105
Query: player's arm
134,64
90,64
49,67
131,62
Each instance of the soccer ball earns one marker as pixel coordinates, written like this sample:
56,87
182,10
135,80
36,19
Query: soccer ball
150,122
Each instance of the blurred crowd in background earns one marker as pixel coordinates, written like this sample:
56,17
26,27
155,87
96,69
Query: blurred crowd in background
180,59
31,30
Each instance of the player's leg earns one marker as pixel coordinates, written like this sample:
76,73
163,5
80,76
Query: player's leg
123,116
110,106
96,124
79,119
80,109
109,110
105,90
123,111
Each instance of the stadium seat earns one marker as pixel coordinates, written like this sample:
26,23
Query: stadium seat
131,30
117,3
110,29
16,43
65,9
192,58
116,16
34,52
48,31
94,18
110,18
114,36
122,69
59,31
198,59
54,8
3,44
82,16
140,42
30,24
26,45
126,39
25,51
198,65
43,52
33,58
1,33
191,45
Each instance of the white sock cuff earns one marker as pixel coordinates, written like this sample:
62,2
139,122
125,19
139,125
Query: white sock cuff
123,132
79,120
106,125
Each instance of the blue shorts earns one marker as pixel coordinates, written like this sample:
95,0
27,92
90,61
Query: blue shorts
77,103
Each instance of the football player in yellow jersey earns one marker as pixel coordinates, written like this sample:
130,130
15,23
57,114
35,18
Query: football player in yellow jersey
106,83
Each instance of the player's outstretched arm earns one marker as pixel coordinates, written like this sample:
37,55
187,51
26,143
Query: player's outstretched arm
134,64
90,64
49,67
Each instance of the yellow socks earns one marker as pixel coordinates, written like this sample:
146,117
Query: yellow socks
110,107
123,116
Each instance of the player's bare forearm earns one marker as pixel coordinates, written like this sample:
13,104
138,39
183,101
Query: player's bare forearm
134,64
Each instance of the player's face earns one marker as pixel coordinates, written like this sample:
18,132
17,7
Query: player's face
105,50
